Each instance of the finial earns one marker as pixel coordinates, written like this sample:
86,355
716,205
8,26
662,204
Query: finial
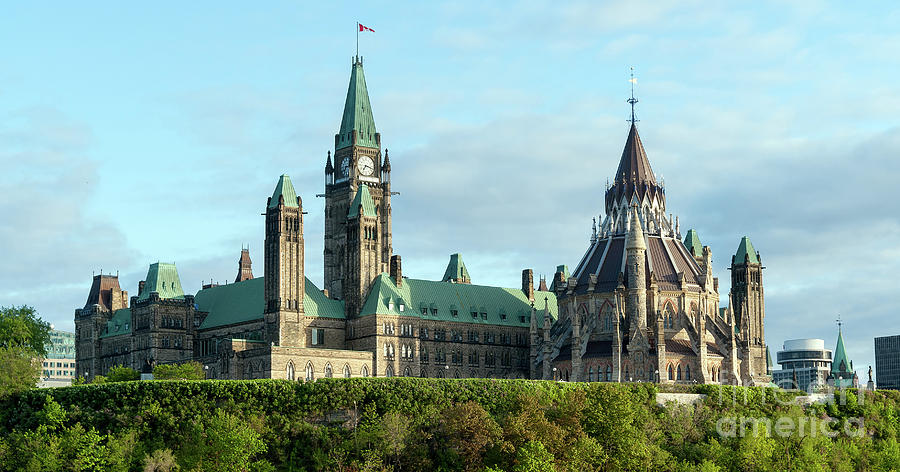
839,322
632,100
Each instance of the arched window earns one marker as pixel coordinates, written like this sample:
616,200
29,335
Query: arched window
679,374
365,371
609,373
328,373
627,375
687,372
671,373
591,374
290,371
439,374
456,374
309,372
407,372
389,372
346,371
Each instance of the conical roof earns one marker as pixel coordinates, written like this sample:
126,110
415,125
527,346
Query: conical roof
285,189
692,243
362,200
745,249
456,270
840,363
357,112
634,165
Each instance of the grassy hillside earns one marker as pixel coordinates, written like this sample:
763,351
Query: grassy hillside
438,424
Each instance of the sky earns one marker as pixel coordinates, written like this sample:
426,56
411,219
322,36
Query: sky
132,133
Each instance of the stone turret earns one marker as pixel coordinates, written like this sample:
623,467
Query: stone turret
636,262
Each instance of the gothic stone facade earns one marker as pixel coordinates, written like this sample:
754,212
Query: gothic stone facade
640,300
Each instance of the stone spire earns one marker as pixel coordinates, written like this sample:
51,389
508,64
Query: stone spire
244,267
635,232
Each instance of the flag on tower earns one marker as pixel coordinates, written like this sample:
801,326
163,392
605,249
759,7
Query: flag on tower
364,28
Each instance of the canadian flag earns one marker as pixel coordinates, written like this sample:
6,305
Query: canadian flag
364,28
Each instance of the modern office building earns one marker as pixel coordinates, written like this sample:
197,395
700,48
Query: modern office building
59,367
887,362
805,364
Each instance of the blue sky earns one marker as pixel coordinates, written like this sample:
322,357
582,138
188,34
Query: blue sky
135,133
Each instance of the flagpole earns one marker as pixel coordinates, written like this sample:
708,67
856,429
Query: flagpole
357,40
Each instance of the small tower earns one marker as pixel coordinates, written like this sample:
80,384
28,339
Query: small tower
363,251
284,276
245,272
456,271
636,249
748,305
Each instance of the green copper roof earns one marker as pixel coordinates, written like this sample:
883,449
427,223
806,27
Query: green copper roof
243,302
692,243
840,356
357,112
363,198
565,271
119,324
745,249
162,278
501,306
456,270
284,188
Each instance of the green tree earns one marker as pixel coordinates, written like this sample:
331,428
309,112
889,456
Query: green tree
222,442
21,327
19,370
533,457
471,431
121,373
187,371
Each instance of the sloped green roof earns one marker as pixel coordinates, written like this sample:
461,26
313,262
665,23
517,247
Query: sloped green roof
357,112
414,295
119,324
456,269
363,198
162,277
745,249
692,243
286,189
244,302
840,355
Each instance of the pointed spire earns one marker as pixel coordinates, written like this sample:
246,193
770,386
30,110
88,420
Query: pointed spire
284,190
692,243
745,251
840,363
244,267
357,116
456,271
635,232
387,162
634,167
329,169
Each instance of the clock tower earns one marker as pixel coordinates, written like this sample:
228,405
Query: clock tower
352,261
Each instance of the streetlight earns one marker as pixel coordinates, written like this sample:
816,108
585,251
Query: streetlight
657,375
554,373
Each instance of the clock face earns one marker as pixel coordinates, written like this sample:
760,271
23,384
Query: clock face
345,167
365,165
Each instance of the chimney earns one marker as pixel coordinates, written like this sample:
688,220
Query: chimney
396,270
528,283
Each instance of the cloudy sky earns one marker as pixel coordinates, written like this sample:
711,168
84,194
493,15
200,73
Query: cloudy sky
136,133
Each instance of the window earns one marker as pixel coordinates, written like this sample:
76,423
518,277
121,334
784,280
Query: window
483,315
425,311
506,359
521,318
671,375
687,373
423,354
591,374
679,374
346,371
473,358
434,312
474,314
389,372
473,336
309,372
328,373
365,371
318,336
289,374
454,313
423,333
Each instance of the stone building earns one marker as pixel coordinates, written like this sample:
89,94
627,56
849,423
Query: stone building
367,320
640,301
643,305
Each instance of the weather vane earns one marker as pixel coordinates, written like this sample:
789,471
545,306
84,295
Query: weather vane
632,100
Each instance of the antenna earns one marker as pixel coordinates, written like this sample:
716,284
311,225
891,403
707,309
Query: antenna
632,100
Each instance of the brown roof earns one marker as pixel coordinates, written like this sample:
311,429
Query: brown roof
678,346
102,289
634,175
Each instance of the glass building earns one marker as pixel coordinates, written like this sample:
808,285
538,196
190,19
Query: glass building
59,366
887,362
805,365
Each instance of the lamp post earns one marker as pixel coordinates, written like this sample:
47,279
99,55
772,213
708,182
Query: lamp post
657,375
554,373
